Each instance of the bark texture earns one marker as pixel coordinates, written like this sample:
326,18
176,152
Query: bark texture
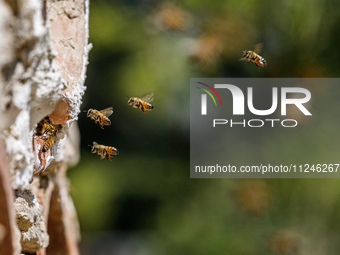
44,53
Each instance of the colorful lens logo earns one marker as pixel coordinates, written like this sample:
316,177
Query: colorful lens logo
204,97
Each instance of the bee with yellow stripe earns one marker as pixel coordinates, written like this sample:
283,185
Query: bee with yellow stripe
48,143
142,103
254,57
44,127
104,151
101,117
48,132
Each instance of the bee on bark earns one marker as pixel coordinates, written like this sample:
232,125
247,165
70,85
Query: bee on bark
101,117
141,103
48,143
44,127
104,151
254,57
48,132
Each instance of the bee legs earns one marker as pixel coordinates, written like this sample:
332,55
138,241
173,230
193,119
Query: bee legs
97,120
142,108
108,156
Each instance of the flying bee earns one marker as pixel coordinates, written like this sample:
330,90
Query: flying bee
253,56
101,117
104,151
170,17
141,103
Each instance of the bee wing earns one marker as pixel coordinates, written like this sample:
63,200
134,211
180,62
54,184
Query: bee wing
107,112
258,47
147,97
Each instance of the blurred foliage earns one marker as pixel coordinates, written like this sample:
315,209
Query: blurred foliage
143,201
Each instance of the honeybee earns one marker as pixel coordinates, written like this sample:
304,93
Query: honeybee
48,143
100,117
48,132
252,56
104,151
141,103
44,127
169,16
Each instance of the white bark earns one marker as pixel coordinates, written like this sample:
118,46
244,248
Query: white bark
44,51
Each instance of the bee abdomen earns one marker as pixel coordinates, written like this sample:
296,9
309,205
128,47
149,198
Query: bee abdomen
107,121
114,151
149,106
263,61
46,146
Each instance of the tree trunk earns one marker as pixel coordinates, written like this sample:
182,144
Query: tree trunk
44,52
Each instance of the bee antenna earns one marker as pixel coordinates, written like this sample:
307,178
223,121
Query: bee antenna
89,145
127,97
85,111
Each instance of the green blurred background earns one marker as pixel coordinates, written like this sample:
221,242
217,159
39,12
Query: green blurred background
143,202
